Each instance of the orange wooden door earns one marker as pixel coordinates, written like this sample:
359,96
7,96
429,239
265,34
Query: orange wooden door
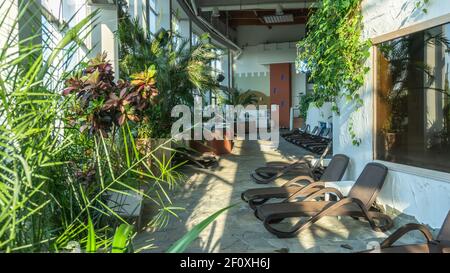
280,91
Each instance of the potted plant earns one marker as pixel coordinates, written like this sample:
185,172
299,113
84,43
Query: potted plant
180,68
102,107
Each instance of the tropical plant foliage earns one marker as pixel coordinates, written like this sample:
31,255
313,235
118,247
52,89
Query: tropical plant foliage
422,5
335,53
182,68
55,181
101,103
305,103
234,97
181,245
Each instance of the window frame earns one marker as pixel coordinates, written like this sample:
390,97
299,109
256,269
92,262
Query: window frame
152,9
401,167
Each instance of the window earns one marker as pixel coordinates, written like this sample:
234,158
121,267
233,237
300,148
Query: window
413,99
220,67
152,16
175,22
61,12
195,38
217,64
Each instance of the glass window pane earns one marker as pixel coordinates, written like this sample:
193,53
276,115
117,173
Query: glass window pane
153,21
153,4
413,99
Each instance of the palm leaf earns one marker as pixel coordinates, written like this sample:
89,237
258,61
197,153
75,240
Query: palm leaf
122,238
181,245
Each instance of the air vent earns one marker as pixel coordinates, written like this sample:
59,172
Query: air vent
101,2
278,19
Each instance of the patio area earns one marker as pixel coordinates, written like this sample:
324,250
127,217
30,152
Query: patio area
127,125
238,230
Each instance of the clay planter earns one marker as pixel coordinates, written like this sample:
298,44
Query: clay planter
218,147
221,147
298,122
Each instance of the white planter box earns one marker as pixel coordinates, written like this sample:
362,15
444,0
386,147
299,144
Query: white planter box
126,205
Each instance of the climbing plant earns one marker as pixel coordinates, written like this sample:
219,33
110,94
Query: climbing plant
422,5
305,102
335,53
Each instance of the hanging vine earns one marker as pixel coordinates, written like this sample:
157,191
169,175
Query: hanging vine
422,5
335,53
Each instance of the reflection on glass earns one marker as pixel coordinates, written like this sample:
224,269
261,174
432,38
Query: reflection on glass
413,99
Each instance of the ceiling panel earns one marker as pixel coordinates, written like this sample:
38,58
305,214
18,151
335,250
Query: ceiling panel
256,17
218,3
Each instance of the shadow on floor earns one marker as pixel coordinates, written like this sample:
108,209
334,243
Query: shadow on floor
238,230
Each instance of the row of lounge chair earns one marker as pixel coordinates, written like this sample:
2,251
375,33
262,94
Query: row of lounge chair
189,156
317,141
276,169
303,197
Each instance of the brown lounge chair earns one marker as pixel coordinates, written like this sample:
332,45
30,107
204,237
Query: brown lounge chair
357,204
440,245
306,184
274,170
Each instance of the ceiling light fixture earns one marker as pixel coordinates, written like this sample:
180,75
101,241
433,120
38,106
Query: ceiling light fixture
215,12
277,19
279,10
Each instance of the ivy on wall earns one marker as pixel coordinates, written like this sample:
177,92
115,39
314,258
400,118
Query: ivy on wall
335,53
305,102
422,5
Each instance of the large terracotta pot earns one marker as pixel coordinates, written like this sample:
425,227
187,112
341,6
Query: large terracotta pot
221,147
218,147
298,122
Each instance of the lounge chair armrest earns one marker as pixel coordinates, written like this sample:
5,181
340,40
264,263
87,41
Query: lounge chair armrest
306,191
327,210
301,178
389,241
324,191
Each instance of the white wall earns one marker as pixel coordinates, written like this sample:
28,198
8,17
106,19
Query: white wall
103,37
256,58
298,88
413,193
322,114
263,46
252,69
255,35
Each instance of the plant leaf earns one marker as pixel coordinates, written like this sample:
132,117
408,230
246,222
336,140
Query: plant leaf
121,238
91,246
181,245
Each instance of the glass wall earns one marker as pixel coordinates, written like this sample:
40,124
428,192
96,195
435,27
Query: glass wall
152,17
413,99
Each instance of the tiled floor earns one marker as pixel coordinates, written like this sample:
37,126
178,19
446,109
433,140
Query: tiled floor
237,230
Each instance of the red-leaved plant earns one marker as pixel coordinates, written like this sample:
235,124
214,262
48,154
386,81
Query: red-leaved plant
102,103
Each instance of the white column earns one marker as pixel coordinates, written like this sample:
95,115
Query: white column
102,37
